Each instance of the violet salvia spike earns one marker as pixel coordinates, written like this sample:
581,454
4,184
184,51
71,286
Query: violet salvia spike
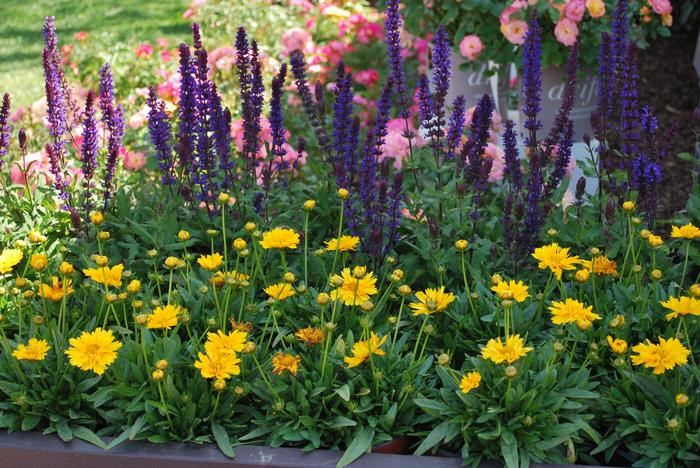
512,169
188,112
277,118
567,102
441,76
89,150
629,110
563,157
455,126
4,128
532,79
161,135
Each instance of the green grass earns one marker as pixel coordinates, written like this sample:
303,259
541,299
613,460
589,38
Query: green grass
124,20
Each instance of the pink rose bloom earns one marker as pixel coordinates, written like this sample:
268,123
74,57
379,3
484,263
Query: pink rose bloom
514,31
368,31
32,167
139,119
367,77
221,58
192,10
566,32
396,145
169,90
596,8
162,42
81,35
166,56
471,46
18,114
497,156
296,39
132,160
305,5
144,50
574,10
661,7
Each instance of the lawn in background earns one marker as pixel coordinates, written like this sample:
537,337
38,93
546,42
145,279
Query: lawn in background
130,21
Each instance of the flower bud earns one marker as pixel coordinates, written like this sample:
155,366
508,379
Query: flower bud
343,193
443,359
250,227
137,304
134,286
510,372
219,385
644,234
527,420
390,260
682,399
183,235
256,234
551,232
673,424
20,282
278,406
656,274
359,272
39,262
330,326
162,364
474,295
38,319
405,290
141,319
224,198
595,251
103,235
211,322
636,268
392,319
367,306
558,346
584,324
289,277
364,322
97,218
244,253
239,243
250,347
171,263
122,296
461,245
582,276
309,205
152,253
238,390
101,260
337,281
495,279
628,206
429,329
20,244
111,297
157,375
507,303
323,299
694,290
212,232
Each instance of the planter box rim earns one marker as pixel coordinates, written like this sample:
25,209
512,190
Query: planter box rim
22,449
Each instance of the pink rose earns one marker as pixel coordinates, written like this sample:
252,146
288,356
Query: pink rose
144,50
296,39
132,160
27,170
596,8
139,119
661,7
514,31
221,58
162,42
498,161
81,35
395,143
367,77
574,10
471,46
566,32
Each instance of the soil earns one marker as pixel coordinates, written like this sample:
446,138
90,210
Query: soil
668,82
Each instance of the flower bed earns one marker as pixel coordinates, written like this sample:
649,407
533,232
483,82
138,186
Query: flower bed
314,290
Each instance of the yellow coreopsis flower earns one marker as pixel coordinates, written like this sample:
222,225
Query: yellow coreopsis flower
555,258
210,262
39,262
233,342
602,266
282,362
8,259
343,244
310,336
34,350
279,291
681,306
220,278
571,311
354,291
362,350
513,349
655,241
511,290
217,365
661,357
93,351
280,238
163,317
618,345
432,301
469,382
106,275
56,290
689,231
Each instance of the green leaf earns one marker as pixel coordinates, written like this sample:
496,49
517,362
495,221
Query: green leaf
434,438
509,449
361,444
342,421
63,430
87,435
30,422
222,440
343,392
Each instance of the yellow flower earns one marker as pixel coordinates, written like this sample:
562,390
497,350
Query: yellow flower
134,286
8,259
285,362
618,345
34,350
344,244
571,311
431,301
210,262
183,235
555,258
56,290
354,291
97,218
217,365
164,317
511,290
661,357
681,306
601,266
220,278
310,336
39,262
655,241
689,231
221,342
93,351
66,268
470,382
279,291
280,238
105,275
498,352
362,350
